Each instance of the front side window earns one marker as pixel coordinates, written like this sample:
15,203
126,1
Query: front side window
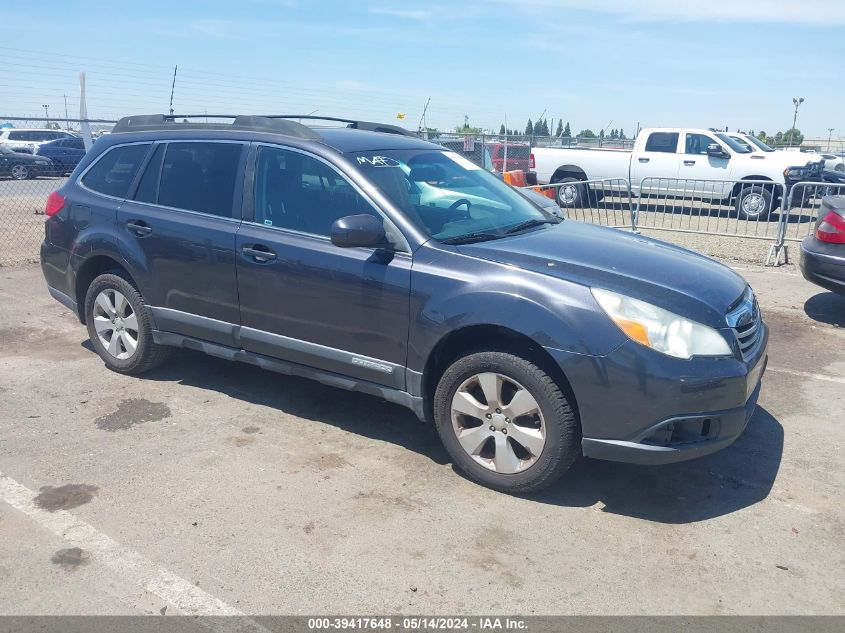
697,143
113,173
666,142
446,195
298,192
200,177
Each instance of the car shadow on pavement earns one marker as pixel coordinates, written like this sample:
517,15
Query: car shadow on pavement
734,478
357,413
826,307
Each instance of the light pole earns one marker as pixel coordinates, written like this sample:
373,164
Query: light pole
829,135
797,101
46,114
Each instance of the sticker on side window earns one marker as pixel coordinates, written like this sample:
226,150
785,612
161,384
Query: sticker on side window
463,162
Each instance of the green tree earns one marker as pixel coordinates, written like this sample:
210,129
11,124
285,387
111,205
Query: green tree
567,133
559,131
588,133
502,129
793,136
622,134
529,128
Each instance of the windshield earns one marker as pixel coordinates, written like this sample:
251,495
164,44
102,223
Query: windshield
744,143
756,141
449,197
734,145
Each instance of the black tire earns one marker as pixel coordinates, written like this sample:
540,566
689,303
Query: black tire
562,430
754,202
569,197
147,355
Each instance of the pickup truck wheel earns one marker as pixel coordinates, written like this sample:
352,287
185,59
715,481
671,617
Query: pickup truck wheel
571,194
505,422
120,327
754,202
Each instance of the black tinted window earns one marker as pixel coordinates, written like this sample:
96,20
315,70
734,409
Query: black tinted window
17,136
662,142
74,143
200,177
298,192
114,172
698,143
148,187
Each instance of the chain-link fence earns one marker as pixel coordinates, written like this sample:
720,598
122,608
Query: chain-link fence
22,217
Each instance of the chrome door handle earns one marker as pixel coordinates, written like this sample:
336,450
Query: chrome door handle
689,162
643,160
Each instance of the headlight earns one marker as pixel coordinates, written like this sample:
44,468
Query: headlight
660,329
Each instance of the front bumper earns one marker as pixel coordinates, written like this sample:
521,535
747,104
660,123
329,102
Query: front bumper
823,264
639,406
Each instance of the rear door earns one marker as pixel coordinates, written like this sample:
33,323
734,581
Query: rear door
178,233
304,300
656,166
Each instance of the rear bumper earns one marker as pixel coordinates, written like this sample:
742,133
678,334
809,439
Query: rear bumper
823,264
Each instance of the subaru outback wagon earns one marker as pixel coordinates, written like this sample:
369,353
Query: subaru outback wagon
368,259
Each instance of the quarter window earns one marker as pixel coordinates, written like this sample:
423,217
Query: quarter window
200,177
295,191
666,142
113,173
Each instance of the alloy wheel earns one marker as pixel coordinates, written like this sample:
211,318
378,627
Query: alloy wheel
498,423
116,324
20,172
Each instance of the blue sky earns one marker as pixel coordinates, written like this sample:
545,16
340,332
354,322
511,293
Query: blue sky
657,62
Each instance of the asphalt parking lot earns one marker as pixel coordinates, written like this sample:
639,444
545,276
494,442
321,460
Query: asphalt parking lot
215,487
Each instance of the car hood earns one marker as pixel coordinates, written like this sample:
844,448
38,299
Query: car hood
663,274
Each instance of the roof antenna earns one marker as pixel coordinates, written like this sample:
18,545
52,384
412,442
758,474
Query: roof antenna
173,88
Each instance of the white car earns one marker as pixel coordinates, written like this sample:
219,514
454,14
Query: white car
679,161
27,139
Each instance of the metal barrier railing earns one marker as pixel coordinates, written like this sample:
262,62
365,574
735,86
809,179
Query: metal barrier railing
745,208
798,220
605,201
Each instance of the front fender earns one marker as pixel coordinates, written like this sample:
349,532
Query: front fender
552,312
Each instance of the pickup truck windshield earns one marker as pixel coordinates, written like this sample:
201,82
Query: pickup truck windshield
759,143
734,145
452,199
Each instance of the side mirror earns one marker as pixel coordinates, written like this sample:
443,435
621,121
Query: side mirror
358,230
715,150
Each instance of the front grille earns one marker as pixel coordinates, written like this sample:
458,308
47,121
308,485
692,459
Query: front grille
747,323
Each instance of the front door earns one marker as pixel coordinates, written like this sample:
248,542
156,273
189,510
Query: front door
713,172
304,300
655,168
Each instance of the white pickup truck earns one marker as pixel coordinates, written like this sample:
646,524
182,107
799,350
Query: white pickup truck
681,162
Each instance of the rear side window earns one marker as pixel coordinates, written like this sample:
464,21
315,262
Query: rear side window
17,136
666,142
148,187
74,143
200,177
113,173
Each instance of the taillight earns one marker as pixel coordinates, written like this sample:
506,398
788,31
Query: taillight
831,229
531,164
55,203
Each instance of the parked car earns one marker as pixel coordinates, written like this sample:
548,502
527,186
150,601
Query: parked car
833,162
836,183
64,152
343,255
22,166
679,161
823,253
26,140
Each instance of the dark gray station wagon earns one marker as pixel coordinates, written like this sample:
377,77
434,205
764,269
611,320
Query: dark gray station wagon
368,259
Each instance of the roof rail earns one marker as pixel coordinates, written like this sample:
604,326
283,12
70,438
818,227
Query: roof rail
358,125
149,122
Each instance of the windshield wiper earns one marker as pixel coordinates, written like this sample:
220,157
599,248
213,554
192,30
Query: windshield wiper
471,237
529,224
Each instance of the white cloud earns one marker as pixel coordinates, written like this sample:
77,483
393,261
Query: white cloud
817,12
410,14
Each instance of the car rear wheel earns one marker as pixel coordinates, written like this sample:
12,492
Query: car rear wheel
571,193
505,422
120,327
21,172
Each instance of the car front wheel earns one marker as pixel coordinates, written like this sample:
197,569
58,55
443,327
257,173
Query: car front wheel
120,327
21,172
505,422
